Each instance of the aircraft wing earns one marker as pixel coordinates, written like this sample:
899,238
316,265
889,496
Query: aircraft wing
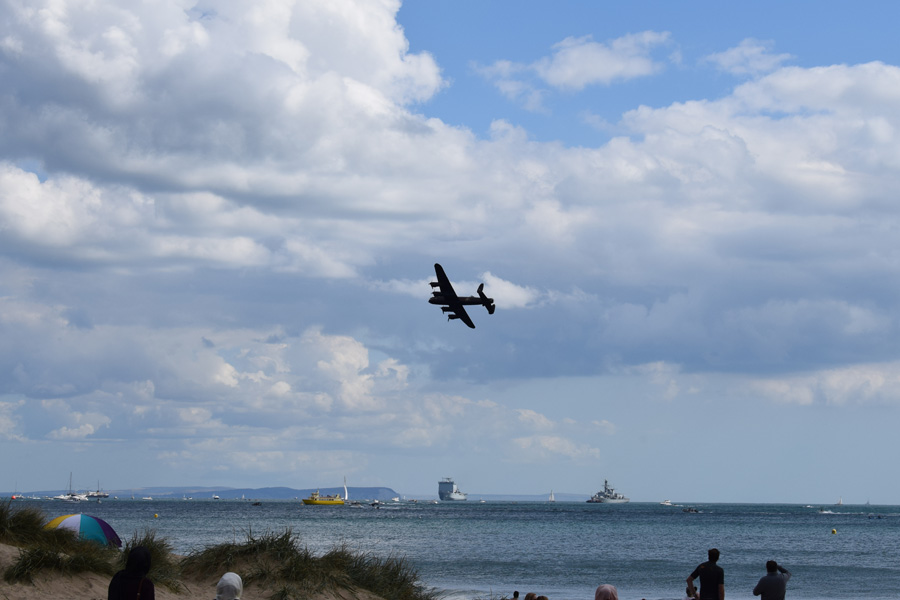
462,315
450,297
444,283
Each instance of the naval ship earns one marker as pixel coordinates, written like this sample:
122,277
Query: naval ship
447,490
609,495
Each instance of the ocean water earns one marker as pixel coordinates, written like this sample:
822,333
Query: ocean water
561,550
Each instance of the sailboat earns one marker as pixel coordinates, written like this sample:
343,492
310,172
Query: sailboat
551,498
70,495
840,501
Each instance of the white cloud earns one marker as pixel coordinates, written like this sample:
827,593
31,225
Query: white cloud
858,384
507,294
510,79
534,419
579,62
575,64
9,421
750,57
544,447
606,427
78,425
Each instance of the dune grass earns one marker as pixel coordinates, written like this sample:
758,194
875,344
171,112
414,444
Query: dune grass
276,563
85,557
165,569
48,549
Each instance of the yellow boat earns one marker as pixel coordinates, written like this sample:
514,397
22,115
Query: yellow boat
318,499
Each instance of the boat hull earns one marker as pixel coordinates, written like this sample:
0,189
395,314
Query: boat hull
323,502
317,499
608,496
448,492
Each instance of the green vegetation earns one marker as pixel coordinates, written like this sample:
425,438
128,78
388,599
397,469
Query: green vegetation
89,558
275,563
165,570
48,549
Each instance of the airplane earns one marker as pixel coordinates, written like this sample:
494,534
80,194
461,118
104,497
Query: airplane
453,304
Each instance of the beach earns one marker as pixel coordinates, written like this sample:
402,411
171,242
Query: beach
91,586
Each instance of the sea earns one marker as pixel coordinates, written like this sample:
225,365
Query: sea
563,550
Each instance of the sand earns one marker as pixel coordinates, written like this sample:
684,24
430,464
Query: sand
90,586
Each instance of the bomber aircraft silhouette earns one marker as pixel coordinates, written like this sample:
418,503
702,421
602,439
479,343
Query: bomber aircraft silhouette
453,304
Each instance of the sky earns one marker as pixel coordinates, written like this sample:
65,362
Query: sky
219,220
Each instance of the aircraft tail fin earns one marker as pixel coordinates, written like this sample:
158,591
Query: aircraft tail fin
488,302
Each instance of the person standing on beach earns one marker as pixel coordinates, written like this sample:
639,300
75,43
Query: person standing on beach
131,583
712,577
774,584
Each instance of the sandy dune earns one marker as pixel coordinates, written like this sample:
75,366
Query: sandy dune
93,587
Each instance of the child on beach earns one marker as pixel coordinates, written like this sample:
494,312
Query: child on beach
606,592
230,587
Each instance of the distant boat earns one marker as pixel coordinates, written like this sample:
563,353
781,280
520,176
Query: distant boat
215,497
666,503
840,501
318,499
608,496
98,494
448,491
70,495
552,498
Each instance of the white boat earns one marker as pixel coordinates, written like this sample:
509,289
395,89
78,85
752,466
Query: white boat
608,496
447,490
667,503
551,498
98,494
70,495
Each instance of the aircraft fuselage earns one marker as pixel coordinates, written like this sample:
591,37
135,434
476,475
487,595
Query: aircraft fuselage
467,300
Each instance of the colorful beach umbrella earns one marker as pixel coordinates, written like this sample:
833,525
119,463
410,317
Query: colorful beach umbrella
87,528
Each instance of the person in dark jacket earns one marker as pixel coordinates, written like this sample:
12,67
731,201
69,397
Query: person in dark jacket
131,583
